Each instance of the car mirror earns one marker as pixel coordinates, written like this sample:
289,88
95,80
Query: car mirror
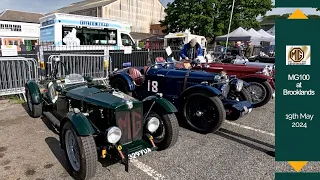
59,89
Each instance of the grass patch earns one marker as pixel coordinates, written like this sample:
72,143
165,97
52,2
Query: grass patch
15,99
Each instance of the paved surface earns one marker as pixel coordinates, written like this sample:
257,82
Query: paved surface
240,150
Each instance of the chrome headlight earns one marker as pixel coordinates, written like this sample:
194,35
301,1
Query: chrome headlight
265,71
113,134
217,78
153,124
239,85
129,104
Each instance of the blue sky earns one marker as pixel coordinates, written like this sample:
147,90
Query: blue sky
44,6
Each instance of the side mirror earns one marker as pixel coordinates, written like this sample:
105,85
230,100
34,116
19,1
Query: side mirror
59,89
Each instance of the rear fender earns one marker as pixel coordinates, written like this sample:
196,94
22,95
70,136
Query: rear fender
200,87
165,104
34,91
125,77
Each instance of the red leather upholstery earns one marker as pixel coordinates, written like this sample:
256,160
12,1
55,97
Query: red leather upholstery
136,76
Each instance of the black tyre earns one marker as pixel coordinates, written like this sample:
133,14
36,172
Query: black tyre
243,95
34,110
122,85
261,93
167,133
204,113
81,152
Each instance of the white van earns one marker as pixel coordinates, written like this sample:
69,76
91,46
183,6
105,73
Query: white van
179,39
63,31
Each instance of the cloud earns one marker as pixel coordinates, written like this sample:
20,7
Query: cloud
39,6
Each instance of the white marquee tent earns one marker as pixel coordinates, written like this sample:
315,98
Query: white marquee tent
237,35
268,37
257,37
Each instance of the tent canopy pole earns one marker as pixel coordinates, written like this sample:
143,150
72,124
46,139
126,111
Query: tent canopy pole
230,23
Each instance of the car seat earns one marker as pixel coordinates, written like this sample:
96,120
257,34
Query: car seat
136,76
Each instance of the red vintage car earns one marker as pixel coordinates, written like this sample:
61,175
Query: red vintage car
261,79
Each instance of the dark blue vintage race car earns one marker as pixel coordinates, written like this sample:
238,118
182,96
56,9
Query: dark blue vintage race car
204,99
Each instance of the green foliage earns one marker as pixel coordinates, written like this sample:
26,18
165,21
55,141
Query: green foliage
271,19
210,18
141,44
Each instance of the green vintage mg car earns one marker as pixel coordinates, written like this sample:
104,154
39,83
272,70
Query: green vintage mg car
95,121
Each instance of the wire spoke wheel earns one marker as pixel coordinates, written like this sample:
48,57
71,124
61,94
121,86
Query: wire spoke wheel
258,92
203,113
72,150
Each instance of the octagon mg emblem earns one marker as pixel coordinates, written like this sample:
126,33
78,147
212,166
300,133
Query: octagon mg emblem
298,55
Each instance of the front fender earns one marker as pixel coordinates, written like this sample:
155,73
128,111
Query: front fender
261,77
167,105
126,78
80,122
200,87
34,91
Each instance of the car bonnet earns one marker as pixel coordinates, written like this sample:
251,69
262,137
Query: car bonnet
104,99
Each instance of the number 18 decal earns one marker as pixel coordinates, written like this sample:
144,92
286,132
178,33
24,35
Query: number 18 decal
153,86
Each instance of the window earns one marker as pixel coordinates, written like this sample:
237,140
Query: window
126,40
155,31
92,36
175,42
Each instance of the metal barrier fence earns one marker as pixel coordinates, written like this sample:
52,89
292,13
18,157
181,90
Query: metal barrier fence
14,73
91,65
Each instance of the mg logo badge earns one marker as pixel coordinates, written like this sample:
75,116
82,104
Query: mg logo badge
298,55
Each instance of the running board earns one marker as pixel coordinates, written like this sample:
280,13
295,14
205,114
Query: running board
55,122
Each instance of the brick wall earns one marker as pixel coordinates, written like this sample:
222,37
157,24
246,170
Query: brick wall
156,29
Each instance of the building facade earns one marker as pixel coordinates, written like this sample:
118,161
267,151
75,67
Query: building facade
156,29
139,13
15,32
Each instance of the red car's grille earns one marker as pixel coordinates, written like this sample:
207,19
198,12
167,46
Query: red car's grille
131,124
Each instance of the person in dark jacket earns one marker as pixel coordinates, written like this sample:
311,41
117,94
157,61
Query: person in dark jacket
23,47
191,51
235,50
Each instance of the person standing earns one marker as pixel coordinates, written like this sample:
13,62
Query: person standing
249,50
191,50
23,47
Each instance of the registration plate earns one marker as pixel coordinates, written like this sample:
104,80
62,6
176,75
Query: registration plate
139,153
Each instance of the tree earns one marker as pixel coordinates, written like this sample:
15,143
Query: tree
210,18
271,18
